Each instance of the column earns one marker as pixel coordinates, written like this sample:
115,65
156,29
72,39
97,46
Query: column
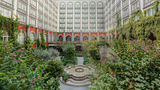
28,31
66,19
72,37
81,17
111,14
81,37
48,36
55,36
28,7
37,15
98,36
58,15
73,16
88,17
37,34
14,9
64,37
96,16
129,8
121,13
141,5
89,36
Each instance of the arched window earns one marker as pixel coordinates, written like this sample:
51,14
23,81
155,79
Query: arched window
62,5
77,5
92,5
77,38
102,37
94,38
32,36
68,38
60,38
85,38
70,5
39,36
21,37
85,5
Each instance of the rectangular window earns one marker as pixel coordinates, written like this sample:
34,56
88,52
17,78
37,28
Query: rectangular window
22,18
32,21
5,12
33,2
40,24
135,6
32,11
40,8
8,1
22,6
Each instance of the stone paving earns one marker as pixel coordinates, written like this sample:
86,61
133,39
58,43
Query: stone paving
80,60
67,87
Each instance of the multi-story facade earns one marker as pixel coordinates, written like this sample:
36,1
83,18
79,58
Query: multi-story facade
80,15
37,13
72,17
124,9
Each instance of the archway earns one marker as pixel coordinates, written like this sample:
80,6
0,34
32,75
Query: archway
77,38
68,38
85,38
60,38
32,36
94,37
102,37
21,37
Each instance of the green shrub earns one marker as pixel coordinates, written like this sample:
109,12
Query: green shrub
65,76
46,54
21,69
136,66
93,48
69,53
54,68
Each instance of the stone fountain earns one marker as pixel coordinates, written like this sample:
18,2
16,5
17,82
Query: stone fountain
79,75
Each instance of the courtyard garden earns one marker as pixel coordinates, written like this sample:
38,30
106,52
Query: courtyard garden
130,61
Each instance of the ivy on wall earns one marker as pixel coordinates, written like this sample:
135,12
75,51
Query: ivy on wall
144,28
9,26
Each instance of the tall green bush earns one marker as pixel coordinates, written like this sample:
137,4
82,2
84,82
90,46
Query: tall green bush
69,53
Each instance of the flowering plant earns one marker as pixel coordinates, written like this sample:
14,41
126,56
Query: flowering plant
21,69
136,66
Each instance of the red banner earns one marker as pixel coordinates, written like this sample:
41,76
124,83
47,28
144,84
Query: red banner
102,33
93,33
39,30
22,27
46,32
85,34
68,34
59,34
33,29
76,34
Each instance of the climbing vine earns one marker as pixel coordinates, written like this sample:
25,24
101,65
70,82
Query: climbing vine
144,28
9,26
42,40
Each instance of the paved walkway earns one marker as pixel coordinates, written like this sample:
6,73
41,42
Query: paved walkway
67,87
80,60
